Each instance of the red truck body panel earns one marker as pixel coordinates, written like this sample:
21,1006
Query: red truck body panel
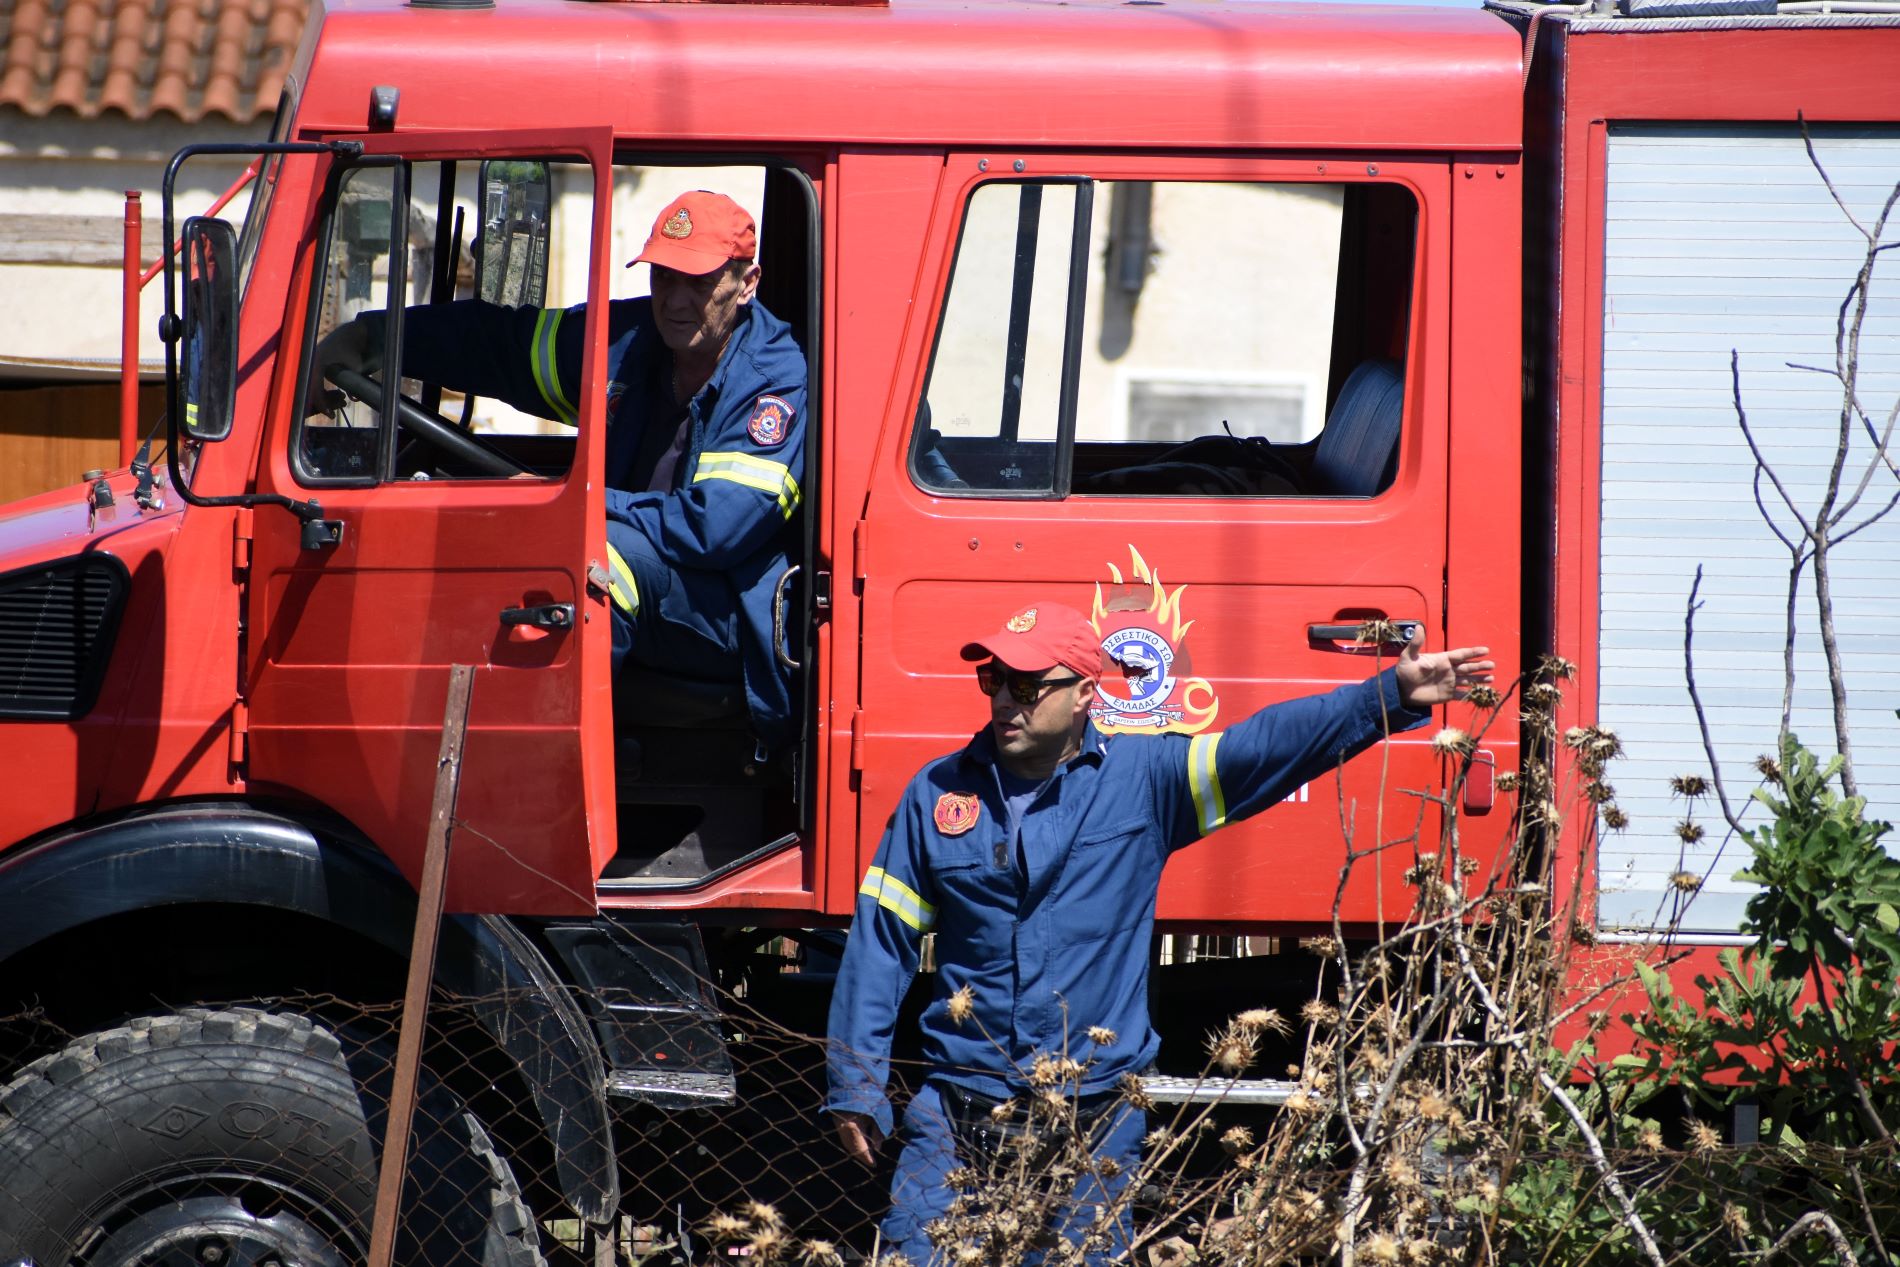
896,114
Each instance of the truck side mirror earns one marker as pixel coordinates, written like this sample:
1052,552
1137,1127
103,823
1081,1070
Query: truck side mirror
511,258
208,325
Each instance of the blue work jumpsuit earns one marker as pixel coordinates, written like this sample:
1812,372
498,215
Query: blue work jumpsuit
1050,931
694,566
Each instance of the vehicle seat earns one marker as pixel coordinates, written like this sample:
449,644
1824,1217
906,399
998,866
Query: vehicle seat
1358,453
650,698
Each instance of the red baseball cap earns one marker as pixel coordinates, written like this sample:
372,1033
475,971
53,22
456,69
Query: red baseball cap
697,233
1042,637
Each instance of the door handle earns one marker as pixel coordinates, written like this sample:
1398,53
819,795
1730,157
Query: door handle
546,616
1350,633
778,617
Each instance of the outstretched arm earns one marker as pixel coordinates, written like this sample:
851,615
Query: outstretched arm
1427,679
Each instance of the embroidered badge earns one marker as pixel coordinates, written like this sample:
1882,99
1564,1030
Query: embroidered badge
1022,622
678,225
771,421
957,812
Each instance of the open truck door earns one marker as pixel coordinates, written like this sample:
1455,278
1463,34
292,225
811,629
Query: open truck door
454,531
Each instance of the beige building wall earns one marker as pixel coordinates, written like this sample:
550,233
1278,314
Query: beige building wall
1235,304
62,199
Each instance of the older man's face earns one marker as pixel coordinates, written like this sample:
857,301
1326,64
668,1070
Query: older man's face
696,315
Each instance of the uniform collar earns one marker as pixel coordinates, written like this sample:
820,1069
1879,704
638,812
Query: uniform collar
736,345
981,750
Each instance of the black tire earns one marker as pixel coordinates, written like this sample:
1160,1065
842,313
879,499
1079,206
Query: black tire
243,1131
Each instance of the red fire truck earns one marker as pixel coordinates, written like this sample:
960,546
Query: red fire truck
1233,325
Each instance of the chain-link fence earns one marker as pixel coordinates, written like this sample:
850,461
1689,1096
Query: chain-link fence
250,1132
1404,1100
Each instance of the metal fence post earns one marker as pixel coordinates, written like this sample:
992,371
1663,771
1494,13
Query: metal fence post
415,1003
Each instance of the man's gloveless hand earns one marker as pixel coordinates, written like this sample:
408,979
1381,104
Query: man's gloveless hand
1427,679
860,1137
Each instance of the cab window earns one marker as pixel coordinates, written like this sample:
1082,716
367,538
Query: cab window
401,234
1171,338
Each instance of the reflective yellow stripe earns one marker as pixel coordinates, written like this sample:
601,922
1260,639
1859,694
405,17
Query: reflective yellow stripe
763,474
620,585
547,378
898,898
1210,805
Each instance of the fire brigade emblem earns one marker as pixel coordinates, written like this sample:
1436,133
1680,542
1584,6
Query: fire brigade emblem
957,812
678,225
771,421
1149,687
1022,622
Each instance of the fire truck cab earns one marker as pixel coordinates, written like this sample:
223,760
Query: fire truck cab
1207,319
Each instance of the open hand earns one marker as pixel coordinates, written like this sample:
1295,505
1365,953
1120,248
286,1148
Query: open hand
1427,679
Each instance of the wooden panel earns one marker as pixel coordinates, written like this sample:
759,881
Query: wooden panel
49,436
30,238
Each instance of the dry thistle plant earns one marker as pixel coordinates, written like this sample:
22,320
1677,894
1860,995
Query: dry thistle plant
1428,1061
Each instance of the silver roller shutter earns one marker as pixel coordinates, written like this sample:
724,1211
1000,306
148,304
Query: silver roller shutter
1723,237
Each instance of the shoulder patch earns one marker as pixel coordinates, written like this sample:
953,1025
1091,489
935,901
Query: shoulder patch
771,422
957,812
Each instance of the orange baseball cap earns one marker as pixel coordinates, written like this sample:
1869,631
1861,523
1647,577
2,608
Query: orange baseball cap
1042,637
697,233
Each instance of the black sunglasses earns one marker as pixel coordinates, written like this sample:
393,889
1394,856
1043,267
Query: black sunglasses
1024,688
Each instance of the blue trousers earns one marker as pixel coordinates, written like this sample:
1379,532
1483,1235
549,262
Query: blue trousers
674,619
928,1153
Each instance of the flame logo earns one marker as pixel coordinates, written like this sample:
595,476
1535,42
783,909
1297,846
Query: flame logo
1144,631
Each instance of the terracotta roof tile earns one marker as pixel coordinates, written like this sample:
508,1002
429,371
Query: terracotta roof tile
140,58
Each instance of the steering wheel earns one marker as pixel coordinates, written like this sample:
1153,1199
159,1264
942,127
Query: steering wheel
431,428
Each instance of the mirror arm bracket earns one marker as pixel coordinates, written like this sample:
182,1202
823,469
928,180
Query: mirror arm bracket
318,532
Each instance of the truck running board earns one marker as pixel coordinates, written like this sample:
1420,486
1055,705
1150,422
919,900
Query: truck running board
673,1088
1168,1089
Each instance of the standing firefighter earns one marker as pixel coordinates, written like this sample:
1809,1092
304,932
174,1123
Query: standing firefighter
1035,854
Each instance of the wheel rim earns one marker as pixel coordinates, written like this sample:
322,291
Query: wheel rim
219,1231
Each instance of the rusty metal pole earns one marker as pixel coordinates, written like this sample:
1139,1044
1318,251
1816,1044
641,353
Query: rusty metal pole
415,1003
129,332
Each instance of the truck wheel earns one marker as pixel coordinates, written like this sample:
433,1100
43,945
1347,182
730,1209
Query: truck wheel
238,1138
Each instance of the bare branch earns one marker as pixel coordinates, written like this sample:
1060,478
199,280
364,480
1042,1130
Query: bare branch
1807,142
1695,698
1873,463
1872,519
1807,1225
1769,519
1761,463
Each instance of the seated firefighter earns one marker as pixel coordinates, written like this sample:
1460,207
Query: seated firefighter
706,432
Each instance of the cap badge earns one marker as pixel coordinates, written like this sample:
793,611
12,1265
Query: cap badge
1022,622
678,225
957,812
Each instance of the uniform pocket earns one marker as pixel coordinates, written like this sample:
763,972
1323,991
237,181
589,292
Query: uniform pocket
950,861
1125,831
1107,881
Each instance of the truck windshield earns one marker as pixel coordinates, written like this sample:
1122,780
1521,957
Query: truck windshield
262,187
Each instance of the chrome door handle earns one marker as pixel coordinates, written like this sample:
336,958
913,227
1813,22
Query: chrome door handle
1408,629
